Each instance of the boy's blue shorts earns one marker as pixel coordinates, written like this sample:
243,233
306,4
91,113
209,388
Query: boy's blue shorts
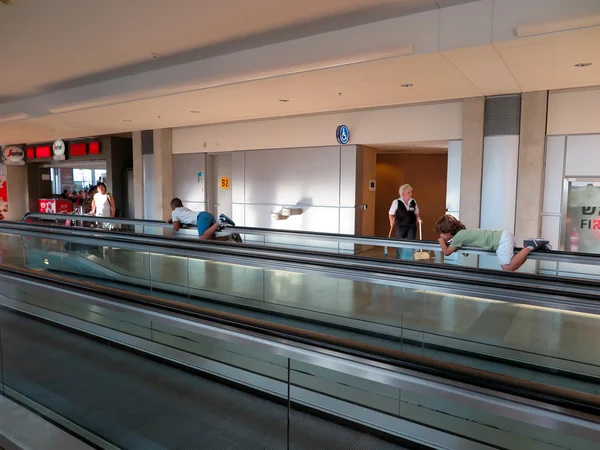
204,221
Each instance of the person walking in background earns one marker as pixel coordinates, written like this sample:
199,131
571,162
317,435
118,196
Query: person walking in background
103,205
404,215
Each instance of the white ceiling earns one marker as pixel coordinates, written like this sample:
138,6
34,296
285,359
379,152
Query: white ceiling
528,64
62,43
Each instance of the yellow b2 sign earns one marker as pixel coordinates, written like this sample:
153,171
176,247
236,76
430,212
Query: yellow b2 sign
225,183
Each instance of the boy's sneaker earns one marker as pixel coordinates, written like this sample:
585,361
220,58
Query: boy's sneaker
224,220
536,243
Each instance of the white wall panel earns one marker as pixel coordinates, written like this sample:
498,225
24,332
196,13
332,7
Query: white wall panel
453,177
287,177
195,206
499,183
432,122
348,176
239,214
187,185
320,180
347,221
554,174
238,186
318,219
574,112
583,156
551,230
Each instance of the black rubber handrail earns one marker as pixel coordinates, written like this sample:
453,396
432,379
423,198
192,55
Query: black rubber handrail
576,288
553,395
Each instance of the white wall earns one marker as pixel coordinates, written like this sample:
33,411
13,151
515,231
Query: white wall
554,174
321,180
499,183
583,156
566,156
574,112
441,121
453,178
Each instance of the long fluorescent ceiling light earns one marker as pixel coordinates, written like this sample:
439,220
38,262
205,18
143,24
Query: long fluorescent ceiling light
13,117
566,24
395,50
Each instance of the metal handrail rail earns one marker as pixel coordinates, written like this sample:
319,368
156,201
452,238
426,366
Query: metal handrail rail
583,295
528,401
552,256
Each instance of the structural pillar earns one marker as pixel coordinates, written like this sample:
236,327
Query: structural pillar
138,176
471,161
163,172
16,182
530,184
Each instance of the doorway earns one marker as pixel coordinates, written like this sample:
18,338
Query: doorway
220,184
425,167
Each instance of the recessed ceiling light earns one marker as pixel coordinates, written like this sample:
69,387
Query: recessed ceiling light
583,64
195,111
284,100
406,85
126,120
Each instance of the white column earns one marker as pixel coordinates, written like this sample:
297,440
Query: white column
453,178
163,173
138,176
472,161
531,164
16,180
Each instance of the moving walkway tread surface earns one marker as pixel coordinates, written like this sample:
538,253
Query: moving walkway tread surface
137,403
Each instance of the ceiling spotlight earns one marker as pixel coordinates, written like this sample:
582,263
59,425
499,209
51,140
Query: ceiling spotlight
406,85
283,100
195,111
583,64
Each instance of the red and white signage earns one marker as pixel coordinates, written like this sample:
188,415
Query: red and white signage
52,206
13,155
3,199
59,150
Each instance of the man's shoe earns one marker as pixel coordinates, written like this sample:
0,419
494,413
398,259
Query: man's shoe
535,243
224,220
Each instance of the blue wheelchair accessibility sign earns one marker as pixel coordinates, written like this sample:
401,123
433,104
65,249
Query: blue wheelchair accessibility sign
342,134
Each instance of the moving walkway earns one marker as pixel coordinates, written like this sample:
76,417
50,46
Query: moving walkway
452,312
557,263
127,370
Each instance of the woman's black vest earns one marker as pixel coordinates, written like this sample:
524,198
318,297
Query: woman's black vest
405,218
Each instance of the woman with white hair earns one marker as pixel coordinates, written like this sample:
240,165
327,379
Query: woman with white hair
404,214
